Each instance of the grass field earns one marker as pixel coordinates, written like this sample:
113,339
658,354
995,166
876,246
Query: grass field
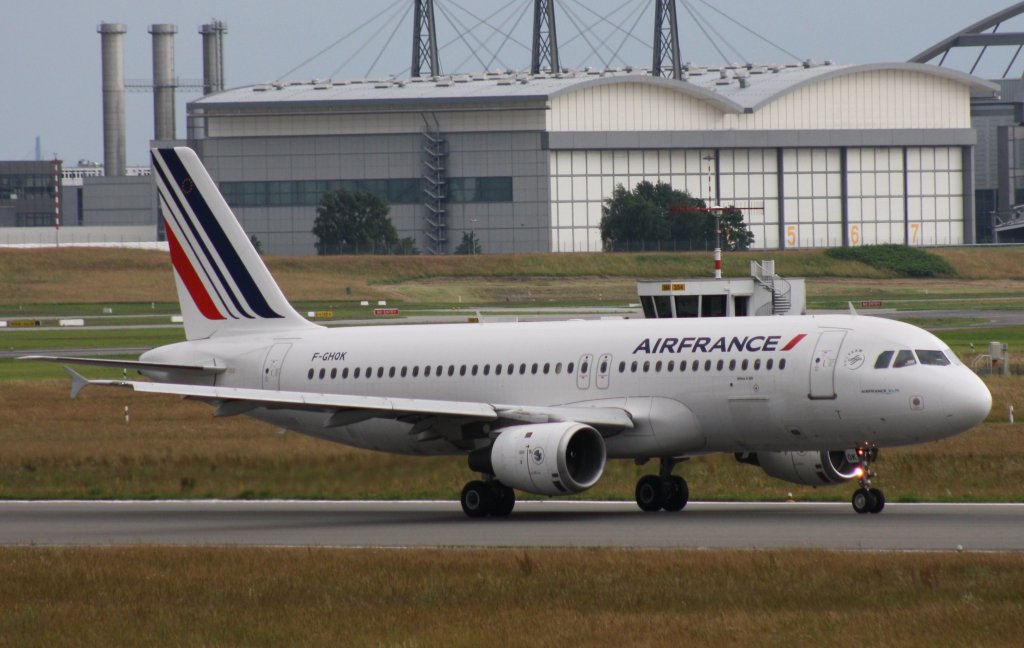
588,597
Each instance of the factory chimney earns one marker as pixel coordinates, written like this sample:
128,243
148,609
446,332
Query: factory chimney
213,56
163,81
112,49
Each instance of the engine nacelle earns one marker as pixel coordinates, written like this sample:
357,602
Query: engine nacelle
546,459
809,468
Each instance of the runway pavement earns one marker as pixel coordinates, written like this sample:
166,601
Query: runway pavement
973,527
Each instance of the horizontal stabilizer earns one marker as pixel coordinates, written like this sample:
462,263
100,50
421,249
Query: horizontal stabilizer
135,365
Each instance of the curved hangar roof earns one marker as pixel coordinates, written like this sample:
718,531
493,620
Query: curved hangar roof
732,89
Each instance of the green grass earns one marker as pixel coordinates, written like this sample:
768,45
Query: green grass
900,260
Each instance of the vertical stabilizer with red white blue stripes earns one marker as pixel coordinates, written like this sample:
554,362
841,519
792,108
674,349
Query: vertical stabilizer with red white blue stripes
223,285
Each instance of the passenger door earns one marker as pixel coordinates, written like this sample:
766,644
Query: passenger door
583,371
823,365
604,370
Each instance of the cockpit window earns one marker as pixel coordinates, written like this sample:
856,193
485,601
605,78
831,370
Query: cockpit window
932,358
904,358
884,358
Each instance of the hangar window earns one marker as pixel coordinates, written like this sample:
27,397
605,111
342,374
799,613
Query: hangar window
467,190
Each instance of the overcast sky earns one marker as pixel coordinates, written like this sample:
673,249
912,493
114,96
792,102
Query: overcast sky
51,51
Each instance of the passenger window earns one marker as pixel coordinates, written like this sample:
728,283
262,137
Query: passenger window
707,365
732,365
310,375
475,370
782,364
497,370
344,373
657,366
356,374
570,367
426,371
743,366
462,370
937,358
757,364
584,368
883,359
558,368
622,366
768,364
451,370
334,373
604,367
632,367
904,358
405,370
547,368
522,369
721,364
671,365
487,370
391,372
380,372
533,369
416,371
694,367
322,372
647,366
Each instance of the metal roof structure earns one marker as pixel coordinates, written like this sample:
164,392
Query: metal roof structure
976,35
732,89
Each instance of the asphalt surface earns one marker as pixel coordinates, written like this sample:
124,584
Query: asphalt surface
901,527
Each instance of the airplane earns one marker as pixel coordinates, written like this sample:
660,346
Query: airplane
542,407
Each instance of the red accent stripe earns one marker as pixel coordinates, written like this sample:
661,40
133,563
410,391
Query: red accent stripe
792,343
192,282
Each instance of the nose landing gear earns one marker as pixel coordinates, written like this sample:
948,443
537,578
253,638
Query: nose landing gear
867,499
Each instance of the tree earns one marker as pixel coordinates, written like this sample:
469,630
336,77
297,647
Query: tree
256,244
644,214
470,244
353,221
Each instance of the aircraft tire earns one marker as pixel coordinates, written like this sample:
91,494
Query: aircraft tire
476,499
650,493
863,501
879,500
676,494
503,499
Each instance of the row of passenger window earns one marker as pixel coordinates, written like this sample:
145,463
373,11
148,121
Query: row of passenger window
547,368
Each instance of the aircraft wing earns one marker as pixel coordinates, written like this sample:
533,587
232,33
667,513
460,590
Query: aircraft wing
125,364
348,408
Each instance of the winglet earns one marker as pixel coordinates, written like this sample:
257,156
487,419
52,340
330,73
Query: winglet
78,382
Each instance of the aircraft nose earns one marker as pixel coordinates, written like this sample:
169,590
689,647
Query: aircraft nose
968,402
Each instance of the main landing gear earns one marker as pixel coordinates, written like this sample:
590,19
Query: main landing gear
483,498
866,499
663,491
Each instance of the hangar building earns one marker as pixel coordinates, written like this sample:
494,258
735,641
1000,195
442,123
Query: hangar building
828,154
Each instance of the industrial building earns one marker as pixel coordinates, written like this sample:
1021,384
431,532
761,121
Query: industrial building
826,154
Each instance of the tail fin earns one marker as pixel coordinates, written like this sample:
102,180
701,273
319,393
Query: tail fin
223,286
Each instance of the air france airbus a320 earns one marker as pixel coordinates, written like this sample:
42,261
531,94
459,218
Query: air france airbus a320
541,407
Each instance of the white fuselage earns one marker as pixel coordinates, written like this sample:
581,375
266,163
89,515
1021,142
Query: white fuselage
692,386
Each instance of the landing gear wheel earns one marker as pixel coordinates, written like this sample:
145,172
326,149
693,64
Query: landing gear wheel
676,493
864,501
867,499
879,500
476,499
649,493
503,499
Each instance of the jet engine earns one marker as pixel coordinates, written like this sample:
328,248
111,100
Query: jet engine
546,458
810,468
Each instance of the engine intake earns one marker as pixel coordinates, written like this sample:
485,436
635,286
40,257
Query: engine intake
809,468
546,459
